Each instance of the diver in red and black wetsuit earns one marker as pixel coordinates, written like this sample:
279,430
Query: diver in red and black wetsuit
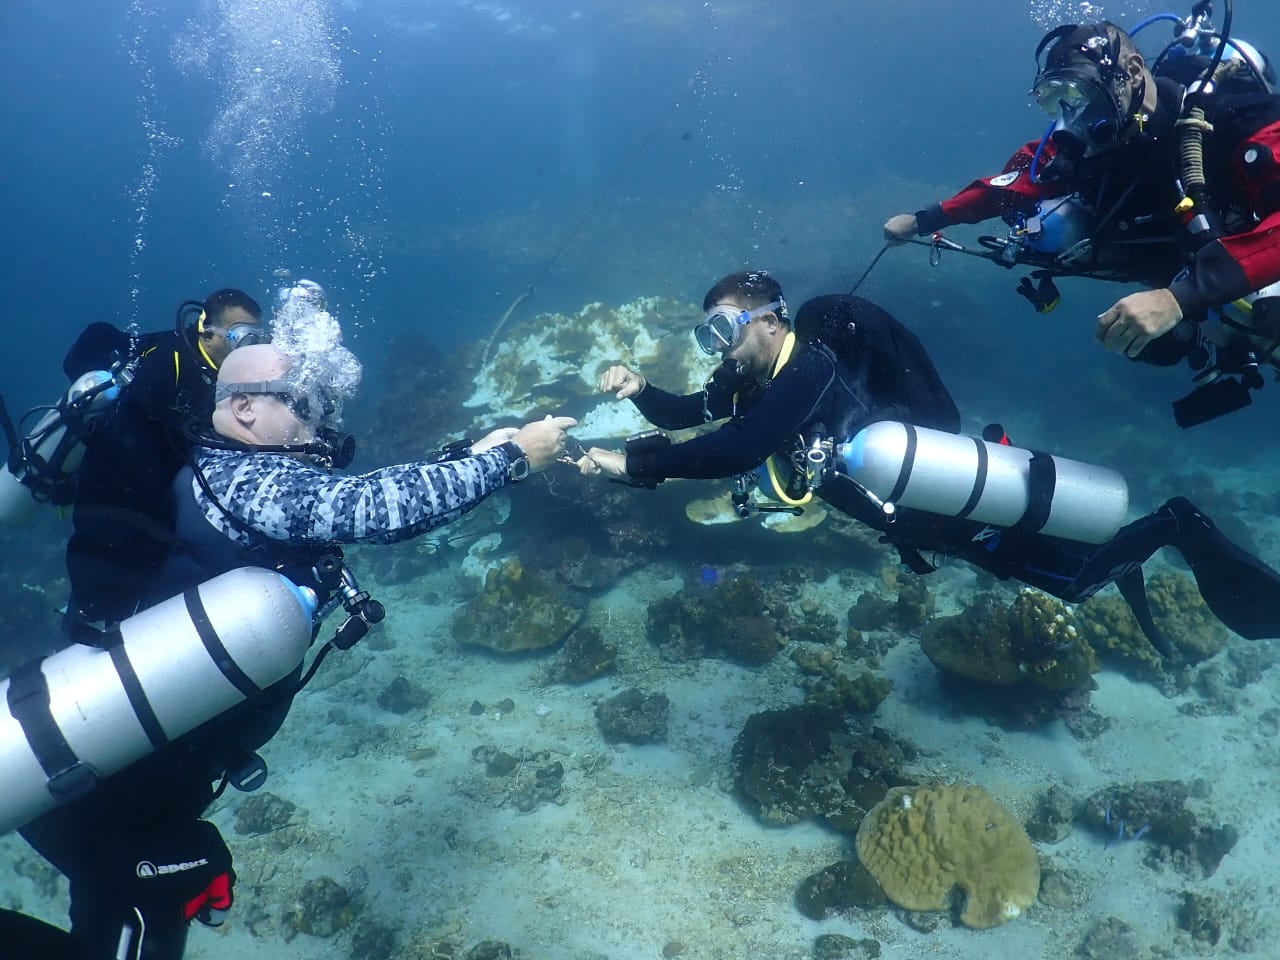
1143,179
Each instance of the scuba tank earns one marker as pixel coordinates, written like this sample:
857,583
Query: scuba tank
1058,227
900,465
86,713
43,460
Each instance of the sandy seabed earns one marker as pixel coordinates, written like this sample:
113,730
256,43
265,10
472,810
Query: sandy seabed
649,848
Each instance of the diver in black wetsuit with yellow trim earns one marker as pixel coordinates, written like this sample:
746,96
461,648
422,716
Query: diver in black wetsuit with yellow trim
123,515
783,395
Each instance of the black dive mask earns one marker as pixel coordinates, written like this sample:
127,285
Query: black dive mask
1086,92
1083,108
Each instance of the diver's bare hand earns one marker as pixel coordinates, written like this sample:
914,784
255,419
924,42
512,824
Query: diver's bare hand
598,462
1136,320
901,227
622,382
494,439
543,440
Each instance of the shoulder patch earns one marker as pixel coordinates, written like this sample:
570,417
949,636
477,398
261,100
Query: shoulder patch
1005,178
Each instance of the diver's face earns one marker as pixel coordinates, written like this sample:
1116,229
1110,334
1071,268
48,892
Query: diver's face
275,421
751,349
222,335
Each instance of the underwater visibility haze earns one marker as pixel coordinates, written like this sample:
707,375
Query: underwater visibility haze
564,743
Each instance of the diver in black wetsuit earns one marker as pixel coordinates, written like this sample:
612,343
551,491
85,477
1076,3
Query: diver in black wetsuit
123,531
123,516
778,393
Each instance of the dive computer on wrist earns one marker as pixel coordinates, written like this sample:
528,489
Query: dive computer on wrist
517,462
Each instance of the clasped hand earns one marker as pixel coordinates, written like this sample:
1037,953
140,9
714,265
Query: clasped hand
543,441
1136,320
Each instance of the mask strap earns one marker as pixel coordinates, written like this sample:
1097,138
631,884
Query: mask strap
1051,38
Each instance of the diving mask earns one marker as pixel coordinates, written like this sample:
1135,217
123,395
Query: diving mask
721,328
246,334
1083,107
309,406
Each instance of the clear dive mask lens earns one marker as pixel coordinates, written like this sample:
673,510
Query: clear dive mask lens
245,334
1059,97
1082,105
719,330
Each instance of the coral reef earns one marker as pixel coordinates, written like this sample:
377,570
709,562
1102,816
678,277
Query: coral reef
1157,812
402,695
634,716
804,761
836,946
517,610
848,694
321,908
555,361
1112,939
584,656
1032,640
727,617
842,886
914,605
1030,647
525,779
921,843
1180,614
870,612
1054,813
263,813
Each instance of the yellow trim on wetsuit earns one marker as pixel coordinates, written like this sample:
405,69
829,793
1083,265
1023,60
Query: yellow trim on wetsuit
205,353
779,488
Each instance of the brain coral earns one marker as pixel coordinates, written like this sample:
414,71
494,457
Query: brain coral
919,843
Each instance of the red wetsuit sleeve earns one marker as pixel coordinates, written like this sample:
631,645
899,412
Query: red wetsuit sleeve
1229,268
1011,189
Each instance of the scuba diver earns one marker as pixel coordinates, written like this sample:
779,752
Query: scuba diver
122,517
257,492
805,408
1162,173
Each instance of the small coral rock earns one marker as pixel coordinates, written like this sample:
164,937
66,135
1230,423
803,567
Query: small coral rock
322,908
402,695
634,716
262,813
921,843
518,610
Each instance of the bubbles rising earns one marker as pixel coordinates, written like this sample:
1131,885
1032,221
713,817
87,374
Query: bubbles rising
276,62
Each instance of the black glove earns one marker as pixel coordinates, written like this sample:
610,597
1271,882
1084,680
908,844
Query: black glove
1043,295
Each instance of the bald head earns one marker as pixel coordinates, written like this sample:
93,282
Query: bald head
256,362
248,408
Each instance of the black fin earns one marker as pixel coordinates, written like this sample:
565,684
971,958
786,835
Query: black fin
1134,590
1241,590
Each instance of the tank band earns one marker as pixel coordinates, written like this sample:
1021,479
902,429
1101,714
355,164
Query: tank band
28,696
137,696
1042,482
218,653
979,481
908,461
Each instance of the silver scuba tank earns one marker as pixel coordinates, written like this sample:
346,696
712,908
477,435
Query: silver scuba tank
51,452
178,664
959,476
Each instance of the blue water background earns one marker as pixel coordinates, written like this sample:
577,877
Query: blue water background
466,142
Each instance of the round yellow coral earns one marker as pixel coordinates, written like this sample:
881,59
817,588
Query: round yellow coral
920,843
